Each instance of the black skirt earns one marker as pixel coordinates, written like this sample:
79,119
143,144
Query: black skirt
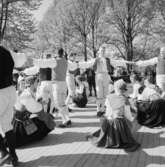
154,115
80,99
22,138
114,133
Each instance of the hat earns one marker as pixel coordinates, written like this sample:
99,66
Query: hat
120,85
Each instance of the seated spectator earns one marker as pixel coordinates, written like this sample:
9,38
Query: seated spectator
30,122
120,73
150,91
80,98
136,81
150,106
115,129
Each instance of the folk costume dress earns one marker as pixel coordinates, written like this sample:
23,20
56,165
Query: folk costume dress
151,108
80,98
115,129
28,110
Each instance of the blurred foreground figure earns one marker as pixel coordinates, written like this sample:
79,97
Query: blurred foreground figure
7,101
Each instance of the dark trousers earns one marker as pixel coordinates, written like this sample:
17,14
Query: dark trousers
92,84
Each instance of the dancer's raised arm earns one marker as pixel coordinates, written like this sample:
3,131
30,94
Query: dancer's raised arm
86,64
149,62
45,63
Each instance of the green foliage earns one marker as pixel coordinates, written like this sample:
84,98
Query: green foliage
134,27
17,25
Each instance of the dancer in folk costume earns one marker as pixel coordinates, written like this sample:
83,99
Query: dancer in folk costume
70,80
7,101
160,69
59,67
102,68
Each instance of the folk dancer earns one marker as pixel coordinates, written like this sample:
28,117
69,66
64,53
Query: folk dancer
70,81
59,67
101,66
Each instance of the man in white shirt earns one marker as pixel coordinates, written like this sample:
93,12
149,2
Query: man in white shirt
101,65
59,67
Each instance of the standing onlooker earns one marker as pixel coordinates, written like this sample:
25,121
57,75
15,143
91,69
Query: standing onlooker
91,80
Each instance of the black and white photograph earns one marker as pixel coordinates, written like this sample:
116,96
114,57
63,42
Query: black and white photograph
82,83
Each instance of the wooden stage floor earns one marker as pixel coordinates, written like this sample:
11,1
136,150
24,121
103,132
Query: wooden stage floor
69,148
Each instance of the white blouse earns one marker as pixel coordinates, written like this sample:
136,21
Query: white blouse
149,93
135,92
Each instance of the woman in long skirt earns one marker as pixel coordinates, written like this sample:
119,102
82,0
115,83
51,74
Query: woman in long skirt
115,131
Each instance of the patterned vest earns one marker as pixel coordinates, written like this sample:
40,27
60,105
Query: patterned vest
45,74
109,67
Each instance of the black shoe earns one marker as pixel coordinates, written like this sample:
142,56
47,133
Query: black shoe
69,123
10,137
69,109
133,148
100,113
66,124
12,160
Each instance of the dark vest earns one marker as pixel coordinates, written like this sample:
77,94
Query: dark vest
160,66
45,74
109,67
6,68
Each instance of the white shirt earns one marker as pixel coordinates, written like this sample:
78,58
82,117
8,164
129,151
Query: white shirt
26,99
102,65
135,93
149,93
143,63
19,59
86,64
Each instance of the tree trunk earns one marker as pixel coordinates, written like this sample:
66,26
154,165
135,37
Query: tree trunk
93,41
5,22
85,47
129,38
